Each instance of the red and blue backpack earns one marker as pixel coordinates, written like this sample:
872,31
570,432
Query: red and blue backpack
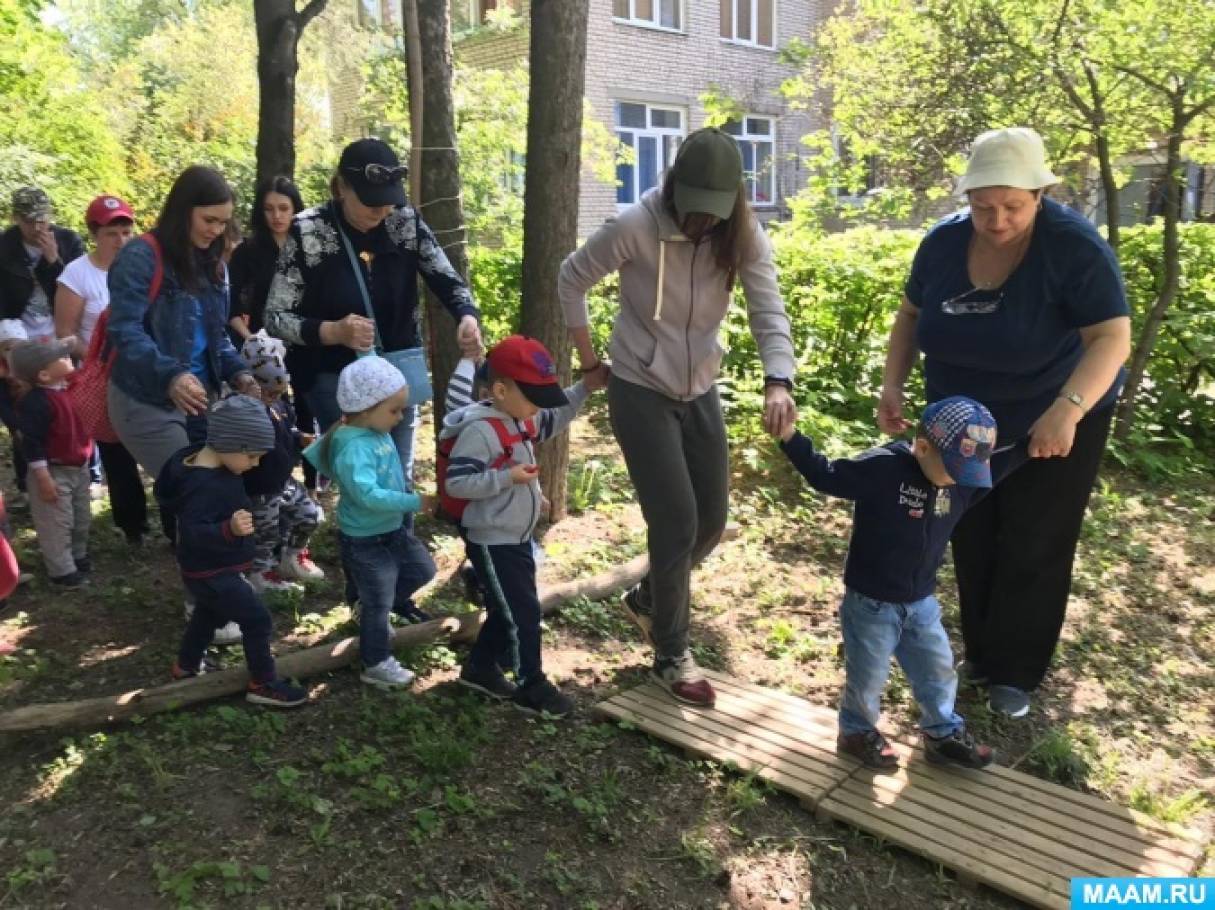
452,507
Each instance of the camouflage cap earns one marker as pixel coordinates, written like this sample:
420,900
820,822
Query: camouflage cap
29,202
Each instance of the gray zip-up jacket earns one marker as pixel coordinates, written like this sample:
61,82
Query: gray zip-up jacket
498,511
673,299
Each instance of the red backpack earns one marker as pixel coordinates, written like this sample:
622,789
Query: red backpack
452,507
88,386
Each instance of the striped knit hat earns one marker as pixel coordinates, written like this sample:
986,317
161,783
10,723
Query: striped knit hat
240,423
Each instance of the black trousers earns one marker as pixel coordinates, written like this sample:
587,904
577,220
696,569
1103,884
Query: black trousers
1013,553
510,636
128,501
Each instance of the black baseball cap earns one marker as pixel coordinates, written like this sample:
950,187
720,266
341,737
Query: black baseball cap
374,172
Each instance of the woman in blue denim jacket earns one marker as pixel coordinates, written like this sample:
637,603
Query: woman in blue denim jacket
173,352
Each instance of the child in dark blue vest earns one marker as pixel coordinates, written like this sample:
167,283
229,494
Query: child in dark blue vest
908,500
201,486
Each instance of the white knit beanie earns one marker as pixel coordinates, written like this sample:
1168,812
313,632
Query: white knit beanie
366,382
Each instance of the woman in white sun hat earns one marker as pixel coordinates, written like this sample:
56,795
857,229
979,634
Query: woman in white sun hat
1018,302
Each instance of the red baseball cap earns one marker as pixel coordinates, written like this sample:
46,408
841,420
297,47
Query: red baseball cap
105,209
526,361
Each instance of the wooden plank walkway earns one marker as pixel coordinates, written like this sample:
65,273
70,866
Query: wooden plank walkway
1018,834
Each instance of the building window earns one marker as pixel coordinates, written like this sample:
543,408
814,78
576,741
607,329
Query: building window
479,10
654,134
371,14
749,22
755,137
654,13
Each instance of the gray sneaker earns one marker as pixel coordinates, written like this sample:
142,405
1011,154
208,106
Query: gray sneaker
1008,700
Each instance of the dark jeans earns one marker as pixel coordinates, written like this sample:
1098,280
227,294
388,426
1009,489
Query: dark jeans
219,600
305,423
1013,553
677,459
510,636
386,570
128,501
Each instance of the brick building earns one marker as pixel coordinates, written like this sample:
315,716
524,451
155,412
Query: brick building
649,65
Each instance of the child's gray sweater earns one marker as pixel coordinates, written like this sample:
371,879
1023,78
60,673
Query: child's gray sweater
498,511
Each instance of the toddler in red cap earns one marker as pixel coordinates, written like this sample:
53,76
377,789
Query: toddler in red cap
492,473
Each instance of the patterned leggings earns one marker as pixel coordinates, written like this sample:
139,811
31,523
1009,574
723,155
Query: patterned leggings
287,519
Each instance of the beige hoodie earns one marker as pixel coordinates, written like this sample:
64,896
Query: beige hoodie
673,299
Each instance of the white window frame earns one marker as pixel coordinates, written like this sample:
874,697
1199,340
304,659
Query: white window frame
753,42
755,139
656,21
658,133
872,174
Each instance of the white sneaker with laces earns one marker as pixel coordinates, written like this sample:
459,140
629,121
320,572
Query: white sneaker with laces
388,674
270,580
299,564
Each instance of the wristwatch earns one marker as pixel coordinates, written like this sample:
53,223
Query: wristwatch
779,380
1075,398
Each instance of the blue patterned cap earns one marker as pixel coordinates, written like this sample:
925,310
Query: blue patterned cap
964,432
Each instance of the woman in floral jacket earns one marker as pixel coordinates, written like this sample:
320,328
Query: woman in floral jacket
316,303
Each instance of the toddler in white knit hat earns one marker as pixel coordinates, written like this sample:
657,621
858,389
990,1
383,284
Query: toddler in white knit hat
383,559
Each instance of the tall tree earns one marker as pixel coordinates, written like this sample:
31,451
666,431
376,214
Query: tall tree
436,166
279,27
550,198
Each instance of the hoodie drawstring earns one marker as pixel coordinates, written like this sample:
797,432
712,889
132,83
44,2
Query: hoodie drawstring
662,265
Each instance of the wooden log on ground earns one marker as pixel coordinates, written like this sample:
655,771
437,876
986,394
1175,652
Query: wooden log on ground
108,709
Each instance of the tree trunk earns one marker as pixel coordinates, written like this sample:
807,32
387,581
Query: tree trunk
279,27
1109,187
550,199
439,198
1172,272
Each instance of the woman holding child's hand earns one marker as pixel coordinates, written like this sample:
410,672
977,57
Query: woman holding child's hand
679,253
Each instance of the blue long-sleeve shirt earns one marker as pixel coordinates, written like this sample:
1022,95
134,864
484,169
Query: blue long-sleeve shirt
901,521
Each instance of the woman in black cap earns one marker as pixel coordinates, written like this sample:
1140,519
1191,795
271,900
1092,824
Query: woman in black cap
346,282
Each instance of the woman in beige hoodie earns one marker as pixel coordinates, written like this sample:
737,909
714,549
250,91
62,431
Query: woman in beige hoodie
679,253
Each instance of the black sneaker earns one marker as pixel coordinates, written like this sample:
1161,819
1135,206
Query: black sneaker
278,693
84,565
970,675
641,616
492,682
134,539
411,614
541,698
71,580
958,749
869,748
473,592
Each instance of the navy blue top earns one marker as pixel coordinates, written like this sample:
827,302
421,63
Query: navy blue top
1016,359
202,501
901,522
269,478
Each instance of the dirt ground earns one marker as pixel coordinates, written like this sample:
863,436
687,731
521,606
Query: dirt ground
432,799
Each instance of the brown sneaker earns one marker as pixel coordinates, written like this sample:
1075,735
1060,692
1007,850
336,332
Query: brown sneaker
682,678
869,748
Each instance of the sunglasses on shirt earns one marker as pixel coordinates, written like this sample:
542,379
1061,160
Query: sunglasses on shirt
380,174
977,306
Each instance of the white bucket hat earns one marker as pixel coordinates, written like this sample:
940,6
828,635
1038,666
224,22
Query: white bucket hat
366,382
1012,157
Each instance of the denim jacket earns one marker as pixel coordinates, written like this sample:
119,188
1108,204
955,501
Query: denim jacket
154,347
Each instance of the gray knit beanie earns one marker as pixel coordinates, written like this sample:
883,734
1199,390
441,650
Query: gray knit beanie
240,423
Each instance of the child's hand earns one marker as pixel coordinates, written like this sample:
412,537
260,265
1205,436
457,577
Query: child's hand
597,379
241,523
47,491
523,473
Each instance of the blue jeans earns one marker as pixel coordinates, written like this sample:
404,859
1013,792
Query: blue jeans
322,401
386,569
912,632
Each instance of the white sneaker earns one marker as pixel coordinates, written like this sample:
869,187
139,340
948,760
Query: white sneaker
229,634
270,580
388,674
299,564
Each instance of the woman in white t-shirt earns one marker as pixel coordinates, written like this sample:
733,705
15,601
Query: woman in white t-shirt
83,295
81,298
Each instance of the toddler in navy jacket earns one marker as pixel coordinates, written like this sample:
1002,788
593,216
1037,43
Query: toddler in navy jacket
909,498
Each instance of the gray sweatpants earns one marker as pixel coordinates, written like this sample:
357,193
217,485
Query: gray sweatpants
63,525
677,459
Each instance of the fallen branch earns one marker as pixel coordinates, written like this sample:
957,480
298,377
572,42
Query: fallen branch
92,712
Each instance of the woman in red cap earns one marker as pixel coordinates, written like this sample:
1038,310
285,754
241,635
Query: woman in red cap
81,298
